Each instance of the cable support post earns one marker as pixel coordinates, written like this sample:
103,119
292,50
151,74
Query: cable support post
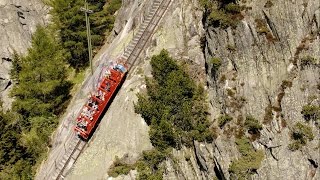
87,11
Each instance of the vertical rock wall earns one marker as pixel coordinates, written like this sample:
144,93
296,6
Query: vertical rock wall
18,20
264,74
261,75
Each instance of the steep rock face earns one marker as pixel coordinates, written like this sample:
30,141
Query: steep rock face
265,71
18,20
261,75
126,133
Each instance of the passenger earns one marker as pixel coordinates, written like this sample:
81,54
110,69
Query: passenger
97,95
91,112
90,103
107,73
82,126
84,111
95,107
108,86
101,94
95,102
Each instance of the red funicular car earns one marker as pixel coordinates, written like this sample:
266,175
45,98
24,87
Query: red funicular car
88,118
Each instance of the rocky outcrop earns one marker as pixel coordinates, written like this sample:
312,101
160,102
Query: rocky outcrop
261,75
18,20
265,70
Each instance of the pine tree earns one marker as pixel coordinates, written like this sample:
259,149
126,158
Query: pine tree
41,85
72,26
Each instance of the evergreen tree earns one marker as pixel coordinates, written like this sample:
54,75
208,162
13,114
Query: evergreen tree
41,86
174,105
175,108
72,26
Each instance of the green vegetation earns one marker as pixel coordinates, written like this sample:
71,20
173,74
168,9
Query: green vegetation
268,4
308,61
216,63
222,13
223,120
41,89
175,108
249,161
41,92
41,86
119,167
262,29
261,26
72,26
13,154
311,112
150,166
252,124
300,135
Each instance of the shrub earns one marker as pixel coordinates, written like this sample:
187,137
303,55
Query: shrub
119,167
249,161
268,4
150,167
308,61
72,26
232,8
311,112
176,110
252,124
226,14
173,104
261,26
216,63
300,135
162,136
223,120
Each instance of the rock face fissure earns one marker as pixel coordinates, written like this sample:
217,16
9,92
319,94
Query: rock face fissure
272,79
200,159
313,163
218,170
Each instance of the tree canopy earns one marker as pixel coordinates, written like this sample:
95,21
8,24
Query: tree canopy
41,86
175,108
40,91
72,26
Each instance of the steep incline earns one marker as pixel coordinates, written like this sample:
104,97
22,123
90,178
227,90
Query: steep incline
62,157
262,64
261,74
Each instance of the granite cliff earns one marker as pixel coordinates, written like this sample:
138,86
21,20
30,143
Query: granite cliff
268,68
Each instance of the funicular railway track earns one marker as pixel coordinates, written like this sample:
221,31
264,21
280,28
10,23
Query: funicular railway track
130,56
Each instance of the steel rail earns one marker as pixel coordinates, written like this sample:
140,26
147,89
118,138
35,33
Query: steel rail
148,31
133,56
60,174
